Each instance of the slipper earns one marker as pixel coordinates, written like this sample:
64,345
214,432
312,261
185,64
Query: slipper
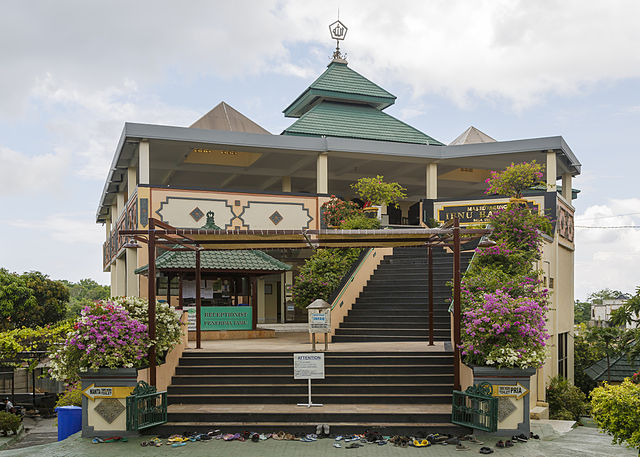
508,443
339,437
337,445
473,439
278,436
325,428
143,443
381,442
319,429
535,437
486,450
112,439
290,437
255,437
97,440
353,446
263,437
179,444
461,447
500,444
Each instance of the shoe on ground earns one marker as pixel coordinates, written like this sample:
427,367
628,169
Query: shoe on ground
486,450
462,447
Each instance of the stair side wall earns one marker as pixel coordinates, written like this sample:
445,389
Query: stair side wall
352,290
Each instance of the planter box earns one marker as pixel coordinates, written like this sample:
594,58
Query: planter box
105,415
511,386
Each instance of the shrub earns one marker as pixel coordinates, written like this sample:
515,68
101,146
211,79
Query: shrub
9,423
106,336
321,275
515,179
25,339
337,211
168,329
503,331
374,191
72,396
566,401
519,229
360,222
616,410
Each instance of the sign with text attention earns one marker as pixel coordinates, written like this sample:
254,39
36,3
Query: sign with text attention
308,366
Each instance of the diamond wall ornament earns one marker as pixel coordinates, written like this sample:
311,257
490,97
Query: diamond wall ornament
196,214
276,218
109,409
505,408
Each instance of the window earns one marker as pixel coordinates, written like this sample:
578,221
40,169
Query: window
161,286
562,354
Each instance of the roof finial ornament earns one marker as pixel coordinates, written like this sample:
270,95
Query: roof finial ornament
338,32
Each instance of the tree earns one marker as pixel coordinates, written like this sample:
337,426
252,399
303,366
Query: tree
596,298
581,312
83,293
31,299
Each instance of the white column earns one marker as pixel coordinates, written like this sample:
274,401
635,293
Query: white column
566,186
432,180
552,173
286,184
121,277
132,181
322,173
143,162
120,203
131,256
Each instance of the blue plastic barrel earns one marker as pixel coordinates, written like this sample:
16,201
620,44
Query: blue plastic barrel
69,421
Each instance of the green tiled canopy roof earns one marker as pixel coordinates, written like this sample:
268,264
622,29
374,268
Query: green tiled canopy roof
239,260
356,121
343,103
619,366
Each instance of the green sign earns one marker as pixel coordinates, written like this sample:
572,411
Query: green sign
226,318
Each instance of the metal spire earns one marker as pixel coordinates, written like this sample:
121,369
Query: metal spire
338,32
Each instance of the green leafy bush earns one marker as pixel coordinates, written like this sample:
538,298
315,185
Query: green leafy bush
616,410
9,423
72,396
515,179
374,191
25,339
360,222
336,211
321,275
566,401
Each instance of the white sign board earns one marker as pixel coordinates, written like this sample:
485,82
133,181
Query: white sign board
308,366
320,321
191,317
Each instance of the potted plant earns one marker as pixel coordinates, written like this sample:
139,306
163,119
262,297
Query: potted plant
336,211
514,180
376,192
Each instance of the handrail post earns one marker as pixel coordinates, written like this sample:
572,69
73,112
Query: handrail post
456,303
198,301
151,292
430,254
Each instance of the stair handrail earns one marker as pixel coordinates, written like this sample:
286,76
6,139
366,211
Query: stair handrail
348,277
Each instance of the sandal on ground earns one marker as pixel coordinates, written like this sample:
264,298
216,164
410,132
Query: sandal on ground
353,445
462,447
97,440
500,444
337,445
473,439
535,437
278,436
508,443
486,450
182,443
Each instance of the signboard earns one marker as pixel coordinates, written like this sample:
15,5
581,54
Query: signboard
221,318
93,392
475,213
319,321
517,390
308,366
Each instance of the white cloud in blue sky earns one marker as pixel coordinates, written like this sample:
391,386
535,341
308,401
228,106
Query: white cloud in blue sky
72,72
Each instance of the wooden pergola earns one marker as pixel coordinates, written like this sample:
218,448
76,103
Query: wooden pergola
163,235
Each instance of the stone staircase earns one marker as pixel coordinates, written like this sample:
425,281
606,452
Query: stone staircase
394,304
390,391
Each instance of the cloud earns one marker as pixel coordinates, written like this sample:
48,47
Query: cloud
608,257
21,173
510,50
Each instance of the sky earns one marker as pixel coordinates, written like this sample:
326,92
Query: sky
72,72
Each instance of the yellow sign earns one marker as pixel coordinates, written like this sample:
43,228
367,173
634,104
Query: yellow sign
517,390
221,157
93,392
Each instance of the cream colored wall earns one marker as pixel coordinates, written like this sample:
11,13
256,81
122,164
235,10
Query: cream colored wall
165,372
355,286
235,210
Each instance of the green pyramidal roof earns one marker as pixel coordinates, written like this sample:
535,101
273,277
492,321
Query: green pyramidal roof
232,260
339,82
356,121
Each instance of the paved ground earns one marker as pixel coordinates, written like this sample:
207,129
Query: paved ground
299,342
581,442
37,431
